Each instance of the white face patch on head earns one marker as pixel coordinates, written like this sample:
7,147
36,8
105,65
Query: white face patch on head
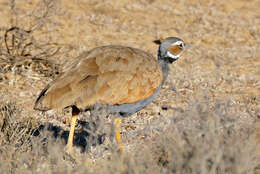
177,48
169,54
178,43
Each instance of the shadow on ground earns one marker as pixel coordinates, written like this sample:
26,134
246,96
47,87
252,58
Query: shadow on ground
82,137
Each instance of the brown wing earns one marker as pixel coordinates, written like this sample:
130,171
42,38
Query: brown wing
109,75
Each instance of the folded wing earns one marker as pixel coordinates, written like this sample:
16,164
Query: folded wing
107,75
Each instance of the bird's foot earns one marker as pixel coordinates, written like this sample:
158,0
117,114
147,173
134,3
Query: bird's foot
69,150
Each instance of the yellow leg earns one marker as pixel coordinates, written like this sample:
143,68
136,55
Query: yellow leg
117,123
71,135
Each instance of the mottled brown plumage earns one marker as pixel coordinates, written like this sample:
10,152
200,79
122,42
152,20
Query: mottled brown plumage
107,75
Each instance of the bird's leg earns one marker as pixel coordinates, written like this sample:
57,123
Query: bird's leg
117,124
75,112
72,127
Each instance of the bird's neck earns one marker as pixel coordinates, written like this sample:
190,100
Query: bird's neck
165,68
164,60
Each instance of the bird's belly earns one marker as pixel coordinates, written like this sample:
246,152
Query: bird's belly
128,109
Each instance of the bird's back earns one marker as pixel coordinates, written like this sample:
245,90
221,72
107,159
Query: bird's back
111,75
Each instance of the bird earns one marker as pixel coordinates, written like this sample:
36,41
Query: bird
121,79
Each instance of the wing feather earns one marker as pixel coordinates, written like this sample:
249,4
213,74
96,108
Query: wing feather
109,75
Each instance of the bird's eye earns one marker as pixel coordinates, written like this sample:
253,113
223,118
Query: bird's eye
181,46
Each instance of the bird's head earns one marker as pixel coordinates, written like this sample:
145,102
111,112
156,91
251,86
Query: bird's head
170,49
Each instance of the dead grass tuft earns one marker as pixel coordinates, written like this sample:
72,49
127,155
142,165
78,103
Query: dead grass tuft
205,140
20,52
22,55
15,131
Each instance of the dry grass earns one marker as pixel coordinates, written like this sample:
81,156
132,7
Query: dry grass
205,120
199,140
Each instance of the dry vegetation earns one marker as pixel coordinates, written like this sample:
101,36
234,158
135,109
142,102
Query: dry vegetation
205,120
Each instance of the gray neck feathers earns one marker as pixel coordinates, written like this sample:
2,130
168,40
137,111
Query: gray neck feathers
165,69
163,62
